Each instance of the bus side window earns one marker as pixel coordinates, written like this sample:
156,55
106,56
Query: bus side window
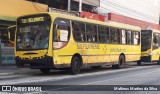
159,39
129,37
57,33
88,32
136,38
103,33
91,32
155,41
62,33
61,30
123,36
78,31
114,35
94,33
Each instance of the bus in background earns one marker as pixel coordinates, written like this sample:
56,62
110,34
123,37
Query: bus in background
150,51
48,41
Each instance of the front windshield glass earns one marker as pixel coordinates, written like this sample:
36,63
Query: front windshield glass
146,40
33,37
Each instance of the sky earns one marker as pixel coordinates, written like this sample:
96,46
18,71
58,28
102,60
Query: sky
147,10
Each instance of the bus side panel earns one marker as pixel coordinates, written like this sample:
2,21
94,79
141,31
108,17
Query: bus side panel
114,52
136,52
104,53
127,50
155,55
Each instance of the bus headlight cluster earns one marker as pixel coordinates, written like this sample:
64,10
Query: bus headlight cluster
149,53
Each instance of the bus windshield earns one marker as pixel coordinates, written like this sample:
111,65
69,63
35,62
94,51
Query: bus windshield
32,35
146,39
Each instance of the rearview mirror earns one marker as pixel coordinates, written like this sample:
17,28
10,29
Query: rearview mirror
11,33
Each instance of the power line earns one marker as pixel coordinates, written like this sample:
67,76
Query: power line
124,9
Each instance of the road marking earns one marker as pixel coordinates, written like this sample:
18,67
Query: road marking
121,77
3,74
97,73
36,79
57,89
103,80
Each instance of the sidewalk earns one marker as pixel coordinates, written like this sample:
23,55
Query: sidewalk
12,69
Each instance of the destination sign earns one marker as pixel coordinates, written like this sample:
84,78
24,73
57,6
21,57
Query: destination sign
34,19
31,20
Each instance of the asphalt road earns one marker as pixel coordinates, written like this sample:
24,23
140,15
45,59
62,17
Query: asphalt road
61,82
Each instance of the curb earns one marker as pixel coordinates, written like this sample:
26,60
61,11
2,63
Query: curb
5,74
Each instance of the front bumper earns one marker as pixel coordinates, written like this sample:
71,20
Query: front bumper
146,59
44,62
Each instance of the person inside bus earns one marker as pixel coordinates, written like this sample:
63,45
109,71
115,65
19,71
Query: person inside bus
37,39
82,37
89,38
57,33
44,38
94,38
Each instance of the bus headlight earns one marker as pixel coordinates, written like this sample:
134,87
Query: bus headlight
149,53
57,45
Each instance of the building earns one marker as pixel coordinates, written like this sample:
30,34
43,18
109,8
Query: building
10,10
144,10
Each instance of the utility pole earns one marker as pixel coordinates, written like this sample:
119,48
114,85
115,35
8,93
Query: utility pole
69,5
80,5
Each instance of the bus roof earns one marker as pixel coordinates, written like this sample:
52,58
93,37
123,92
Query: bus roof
155,30
108,23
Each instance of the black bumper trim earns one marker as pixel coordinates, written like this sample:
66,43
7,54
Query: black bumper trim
45,62
146,59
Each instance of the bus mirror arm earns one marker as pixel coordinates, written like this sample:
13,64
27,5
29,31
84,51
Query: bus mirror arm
9,37
10,30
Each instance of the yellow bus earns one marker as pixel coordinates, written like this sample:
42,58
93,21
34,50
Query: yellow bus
150,51
48,41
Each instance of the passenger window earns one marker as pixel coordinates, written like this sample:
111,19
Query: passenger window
114,36
78,31
91,32
123,36
61,32
129,37
155,41
136,38
103,33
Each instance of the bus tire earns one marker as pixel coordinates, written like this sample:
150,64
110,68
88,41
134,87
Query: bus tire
45,70
121,63
75,65
139,63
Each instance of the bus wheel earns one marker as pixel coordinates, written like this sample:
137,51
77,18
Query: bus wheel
121,63
75,65
139,63
45,70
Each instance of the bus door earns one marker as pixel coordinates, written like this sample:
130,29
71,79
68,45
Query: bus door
155,47
146,40
61,35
